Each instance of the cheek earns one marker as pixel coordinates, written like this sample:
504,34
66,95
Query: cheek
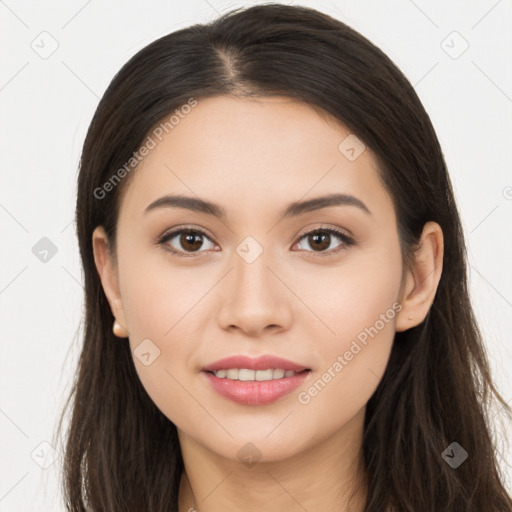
158,297
163,345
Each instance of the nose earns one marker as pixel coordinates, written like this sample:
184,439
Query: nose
254,298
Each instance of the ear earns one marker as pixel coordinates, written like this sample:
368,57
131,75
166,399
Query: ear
108,274
422,280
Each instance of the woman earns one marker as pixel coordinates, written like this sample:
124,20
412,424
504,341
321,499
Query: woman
277,308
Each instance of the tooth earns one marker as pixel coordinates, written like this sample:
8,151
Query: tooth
232,373
245,374
264,375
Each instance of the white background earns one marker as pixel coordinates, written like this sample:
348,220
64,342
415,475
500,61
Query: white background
47,105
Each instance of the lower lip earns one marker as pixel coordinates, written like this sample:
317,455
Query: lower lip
256,392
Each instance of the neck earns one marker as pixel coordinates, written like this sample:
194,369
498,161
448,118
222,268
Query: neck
323,477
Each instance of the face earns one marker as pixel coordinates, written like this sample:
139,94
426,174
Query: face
255,282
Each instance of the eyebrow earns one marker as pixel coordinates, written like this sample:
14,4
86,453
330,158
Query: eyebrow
292,210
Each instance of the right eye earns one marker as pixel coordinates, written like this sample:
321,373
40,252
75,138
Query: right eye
189,239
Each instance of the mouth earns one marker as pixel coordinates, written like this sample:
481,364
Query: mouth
255,380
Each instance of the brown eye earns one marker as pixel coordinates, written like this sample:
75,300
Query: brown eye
320,240
190,241
184,241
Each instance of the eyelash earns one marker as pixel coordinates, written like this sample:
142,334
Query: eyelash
347,241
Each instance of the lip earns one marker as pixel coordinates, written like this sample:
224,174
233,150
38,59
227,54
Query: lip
255,392
264,362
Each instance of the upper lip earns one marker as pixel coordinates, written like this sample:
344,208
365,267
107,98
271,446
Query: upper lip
259,363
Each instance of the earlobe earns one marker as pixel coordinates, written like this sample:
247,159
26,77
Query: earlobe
109,279
423,279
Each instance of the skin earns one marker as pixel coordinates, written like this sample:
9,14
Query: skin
254,157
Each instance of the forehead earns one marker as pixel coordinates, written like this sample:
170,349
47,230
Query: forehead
257,152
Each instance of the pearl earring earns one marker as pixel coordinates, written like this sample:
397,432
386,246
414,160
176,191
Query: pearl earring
119,331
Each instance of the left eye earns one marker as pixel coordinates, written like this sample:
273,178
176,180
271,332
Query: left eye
321,239
191,241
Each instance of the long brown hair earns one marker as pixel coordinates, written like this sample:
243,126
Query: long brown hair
122,453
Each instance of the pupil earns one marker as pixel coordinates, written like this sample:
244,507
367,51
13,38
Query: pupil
188,238
325,237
